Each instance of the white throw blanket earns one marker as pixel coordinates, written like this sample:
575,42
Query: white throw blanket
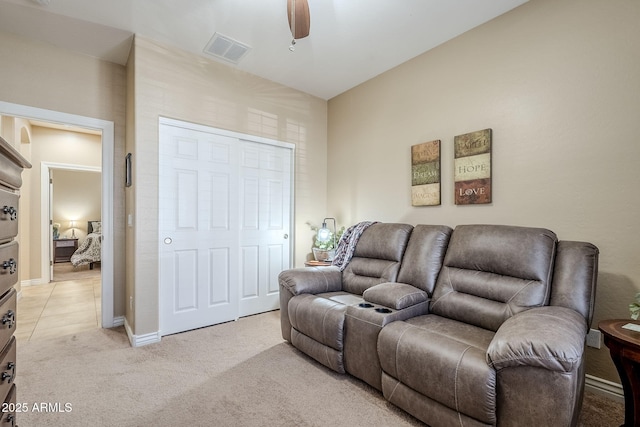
89,251
348,242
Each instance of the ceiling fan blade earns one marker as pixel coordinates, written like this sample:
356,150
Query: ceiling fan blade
299,9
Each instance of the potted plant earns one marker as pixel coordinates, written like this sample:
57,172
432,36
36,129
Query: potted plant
325,250
634,307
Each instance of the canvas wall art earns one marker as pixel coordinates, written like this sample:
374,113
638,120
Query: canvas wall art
472,168
425,174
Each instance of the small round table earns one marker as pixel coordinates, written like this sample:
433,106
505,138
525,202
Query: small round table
313,263
624,347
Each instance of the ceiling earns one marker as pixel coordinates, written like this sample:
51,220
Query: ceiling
350,41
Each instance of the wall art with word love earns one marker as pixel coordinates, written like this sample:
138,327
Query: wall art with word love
472,167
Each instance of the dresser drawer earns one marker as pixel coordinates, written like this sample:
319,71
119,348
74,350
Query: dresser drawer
8,418
7,317
7,366
8,266
10,172
8,215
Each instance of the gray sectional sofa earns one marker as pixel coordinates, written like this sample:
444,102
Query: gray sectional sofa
483,325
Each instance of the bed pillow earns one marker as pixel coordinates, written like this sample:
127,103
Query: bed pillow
97,226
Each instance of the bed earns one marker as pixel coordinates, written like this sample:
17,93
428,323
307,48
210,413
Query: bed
89,252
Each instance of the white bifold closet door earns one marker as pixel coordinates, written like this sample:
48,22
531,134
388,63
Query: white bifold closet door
225,212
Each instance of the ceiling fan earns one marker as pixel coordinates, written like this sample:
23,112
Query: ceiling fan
299,20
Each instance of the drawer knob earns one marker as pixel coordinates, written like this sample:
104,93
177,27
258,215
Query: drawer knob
9,318
11,265
10,374
13,212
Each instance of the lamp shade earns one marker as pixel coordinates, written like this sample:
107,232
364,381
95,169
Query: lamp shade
324,234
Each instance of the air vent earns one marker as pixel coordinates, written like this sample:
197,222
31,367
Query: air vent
226,48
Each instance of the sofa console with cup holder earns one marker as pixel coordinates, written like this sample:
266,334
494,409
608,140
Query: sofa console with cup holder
479,326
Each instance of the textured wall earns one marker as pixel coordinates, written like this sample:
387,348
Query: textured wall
559,84
179,85
44,76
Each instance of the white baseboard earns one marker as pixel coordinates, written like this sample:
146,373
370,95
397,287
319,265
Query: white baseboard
31,282
140,340
605,388
118,321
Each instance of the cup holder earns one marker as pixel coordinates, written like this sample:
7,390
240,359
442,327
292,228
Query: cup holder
365,305
383,310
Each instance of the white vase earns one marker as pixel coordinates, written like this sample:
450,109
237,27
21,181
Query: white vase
324,255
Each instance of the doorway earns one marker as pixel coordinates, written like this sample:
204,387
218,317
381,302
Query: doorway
108,146
74,213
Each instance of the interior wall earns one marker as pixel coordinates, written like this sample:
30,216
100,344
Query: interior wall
44,76
559,84
76,197
172,83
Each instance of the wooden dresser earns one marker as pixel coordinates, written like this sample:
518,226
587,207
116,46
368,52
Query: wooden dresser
11,166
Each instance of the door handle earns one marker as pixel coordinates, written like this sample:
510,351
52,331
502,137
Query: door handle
168,240
286,236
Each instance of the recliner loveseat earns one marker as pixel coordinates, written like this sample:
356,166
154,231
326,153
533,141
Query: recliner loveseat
478,326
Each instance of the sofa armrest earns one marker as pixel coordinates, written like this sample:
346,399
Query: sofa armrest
395,295
311,280
547,337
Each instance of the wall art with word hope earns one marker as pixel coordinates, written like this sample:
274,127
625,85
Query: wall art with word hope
472,167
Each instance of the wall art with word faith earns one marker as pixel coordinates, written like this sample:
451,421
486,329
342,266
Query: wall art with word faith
472,168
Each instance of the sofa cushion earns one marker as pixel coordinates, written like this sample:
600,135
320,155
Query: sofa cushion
395,295
423,258
363,273
383,241
377,256
429,350
491,272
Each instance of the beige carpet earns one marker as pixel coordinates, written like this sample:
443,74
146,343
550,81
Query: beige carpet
235,374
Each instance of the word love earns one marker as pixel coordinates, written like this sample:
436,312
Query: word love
472,191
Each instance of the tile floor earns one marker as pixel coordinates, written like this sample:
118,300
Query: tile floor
58,308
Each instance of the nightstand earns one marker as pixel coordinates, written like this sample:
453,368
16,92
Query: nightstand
63,249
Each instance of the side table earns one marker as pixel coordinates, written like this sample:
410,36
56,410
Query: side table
64,248
313,263
624,347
